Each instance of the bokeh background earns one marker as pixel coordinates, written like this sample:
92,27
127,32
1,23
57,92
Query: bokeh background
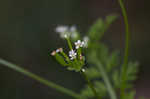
27,36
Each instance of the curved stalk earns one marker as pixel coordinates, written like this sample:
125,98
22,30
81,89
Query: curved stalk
126,53
40,79
69,43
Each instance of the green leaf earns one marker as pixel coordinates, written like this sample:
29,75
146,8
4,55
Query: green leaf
103,53
75,65
97,30
86,92
101,88
132,71
116,79
112,61
92,73
131,74
110,19
130,95
60,60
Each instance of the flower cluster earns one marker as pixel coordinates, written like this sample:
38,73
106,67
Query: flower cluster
75,60
72,53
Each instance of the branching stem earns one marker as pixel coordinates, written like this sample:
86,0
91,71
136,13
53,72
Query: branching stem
90,85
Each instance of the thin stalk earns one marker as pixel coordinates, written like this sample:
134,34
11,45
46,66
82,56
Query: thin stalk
40,79
69,43
90,85
126,53
106,81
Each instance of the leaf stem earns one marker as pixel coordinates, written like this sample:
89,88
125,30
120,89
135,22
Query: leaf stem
40,79
106,81
90,84
126,53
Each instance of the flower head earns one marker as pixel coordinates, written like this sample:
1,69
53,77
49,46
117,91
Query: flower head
63,31
79,44
72,54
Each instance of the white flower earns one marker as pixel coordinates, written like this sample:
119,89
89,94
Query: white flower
66,31
72,54
79,44
83,70
86,40
57,51
61,29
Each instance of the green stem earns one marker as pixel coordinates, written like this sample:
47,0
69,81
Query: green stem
126,53
90,84
39,79
69,43
106,81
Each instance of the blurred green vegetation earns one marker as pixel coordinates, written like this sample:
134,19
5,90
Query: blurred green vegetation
27,34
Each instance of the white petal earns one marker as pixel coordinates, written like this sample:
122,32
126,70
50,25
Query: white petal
78,41
57,50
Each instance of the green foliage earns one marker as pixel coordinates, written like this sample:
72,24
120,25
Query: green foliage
116,79
100,88
105,70
97,30
92,73
109,19
131,74
98,55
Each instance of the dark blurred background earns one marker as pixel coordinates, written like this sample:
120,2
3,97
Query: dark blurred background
27,36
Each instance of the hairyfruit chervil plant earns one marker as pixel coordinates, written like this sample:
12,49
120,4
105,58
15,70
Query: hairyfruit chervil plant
106,76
